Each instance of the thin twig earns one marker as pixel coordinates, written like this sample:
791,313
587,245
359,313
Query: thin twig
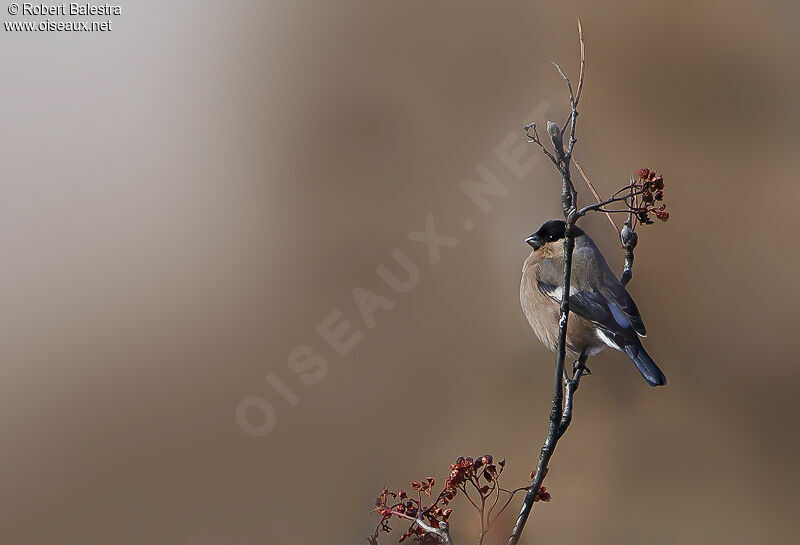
533,138
466,495
599,206
511,493
594,192
576,98
583,63
572,385
482,512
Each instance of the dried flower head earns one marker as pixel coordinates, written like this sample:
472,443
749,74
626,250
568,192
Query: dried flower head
643,193
469,476
543,494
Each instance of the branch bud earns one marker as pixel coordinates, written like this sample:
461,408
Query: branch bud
555,137
628,237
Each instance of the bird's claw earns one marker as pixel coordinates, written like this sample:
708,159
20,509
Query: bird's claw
582,367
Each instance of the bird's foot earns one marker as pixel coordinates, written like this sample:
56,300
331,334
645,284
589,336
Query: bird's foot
580,365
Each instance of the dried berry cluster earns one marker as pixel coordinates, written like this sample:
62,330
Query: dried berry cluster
647,190
470,476
468,470
398,504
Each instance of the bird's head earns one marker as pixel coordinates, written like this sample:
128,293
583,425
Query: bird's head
551,232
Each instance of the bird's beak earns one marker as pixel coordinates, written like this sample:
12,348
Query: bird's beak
534,242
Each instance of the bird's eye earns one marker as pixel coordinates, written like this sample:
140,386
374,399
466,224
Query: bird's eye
551,238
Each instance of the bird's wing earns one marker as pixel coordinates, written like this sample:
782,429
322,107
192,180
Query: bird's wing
595,293
617,294
592,273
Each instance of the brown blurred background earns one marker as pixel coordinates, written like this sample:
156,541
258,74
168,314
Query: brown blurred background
187,197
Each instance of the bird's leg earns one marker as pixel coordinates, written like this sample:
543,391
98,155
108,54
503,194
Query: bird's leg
579,369
580,364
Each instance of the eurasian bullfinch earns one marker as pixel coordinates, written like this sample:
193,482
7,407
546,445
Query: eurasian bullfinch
602,312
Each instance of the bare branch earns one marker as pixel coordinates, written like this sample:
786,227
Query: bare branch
568,82
583,63
571,385
533,138
569,197
511,493
600,205
574,98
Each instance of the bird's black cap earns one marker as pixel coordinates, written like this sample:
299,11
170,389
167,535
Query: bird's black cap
550,231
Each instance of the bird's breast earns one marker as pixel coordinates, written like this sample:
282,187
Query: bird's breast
544,314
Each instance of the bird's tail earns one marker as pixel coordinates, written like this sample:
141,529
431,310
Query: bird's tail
647,367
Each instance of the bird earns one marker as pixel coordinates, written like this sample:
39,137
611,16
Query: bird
602,312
